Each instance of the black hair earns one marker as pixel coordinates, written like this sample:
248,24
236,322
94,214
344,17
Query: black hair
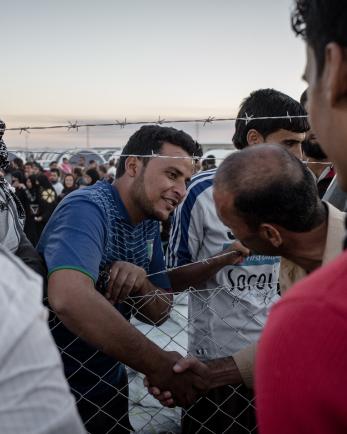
320,22
33,180
150,138
94,175
77,171
38,165
57,171
19,163
44,182
313,150
268,103
209,162
19,175
270,185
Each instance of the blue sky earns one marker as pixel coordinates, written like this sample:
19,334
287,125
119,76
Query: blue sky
105,60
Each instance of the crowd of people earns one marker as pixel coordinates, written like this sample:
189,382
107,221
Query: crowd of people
253,237
40,191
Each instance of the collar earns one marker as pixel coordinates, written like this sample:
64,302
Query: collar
335,233
123,212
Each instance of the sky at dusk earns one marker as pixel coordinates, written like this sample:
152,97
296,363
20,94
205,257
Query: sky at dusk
108,59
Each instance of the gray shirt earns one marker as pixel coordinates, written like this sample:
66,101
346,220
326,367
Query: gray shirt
35,397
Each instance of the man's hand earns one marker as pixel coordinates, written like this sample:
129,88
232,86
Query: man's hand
214,373
125,279
237,253
191,379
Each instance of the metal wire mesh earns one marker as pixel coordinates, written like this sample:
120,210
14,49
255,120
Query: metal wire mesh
229,410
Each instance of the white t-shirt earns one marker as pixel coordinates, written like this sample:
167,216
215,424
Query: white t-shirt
229,310
58,187
35,397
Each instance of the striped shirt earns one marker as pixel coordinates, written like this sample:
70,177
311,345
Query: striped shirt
229,310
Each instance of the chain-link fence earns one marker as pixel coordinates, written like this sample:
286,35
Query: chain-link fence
215,330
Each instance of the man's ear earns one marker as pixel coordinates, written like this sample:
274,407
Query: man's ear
269,233
335,74
132,166
254,137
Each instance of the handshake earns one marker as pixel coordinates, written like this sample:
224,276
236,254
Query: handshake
189,378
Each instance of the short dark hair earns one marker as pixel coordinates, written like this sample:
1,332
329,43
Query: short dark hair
270,185
268,103
93,174
38,165
320,22
57,171
19,175
209,162
313,150
19,162
150,138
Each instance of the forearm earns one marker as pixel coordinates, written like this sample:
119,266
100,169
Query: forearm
153,306
89,315
223,372
245,362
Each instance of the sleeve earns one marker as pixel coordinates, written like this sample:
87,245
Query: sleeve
157,265
186,232
74,238
245,361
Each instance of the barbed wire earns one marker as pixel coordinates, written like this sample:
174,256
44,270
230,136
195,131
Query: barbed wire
209,120
153,155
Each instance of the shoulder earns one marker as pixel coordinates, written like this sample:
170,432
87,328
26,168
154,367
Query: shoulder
200,186
200,182
325,286
99,195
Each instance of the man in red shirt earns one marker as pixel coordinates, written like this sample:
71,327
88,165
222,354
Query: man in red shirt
301,373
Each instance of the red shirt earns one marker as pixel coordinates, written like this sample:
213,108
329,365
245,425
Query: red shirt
301,369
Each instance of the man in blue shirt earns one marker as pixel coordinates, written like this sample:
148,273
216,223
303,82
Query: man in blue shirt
112,231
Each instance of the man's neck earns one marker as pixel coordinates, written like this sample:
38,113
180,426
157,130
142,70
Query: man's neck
306,249
123,189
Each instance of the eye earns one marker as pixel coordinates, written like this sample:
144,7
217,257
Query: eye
172,175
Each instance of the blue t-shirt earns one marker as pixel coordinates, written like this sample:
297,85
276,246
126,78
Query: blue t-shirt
89,230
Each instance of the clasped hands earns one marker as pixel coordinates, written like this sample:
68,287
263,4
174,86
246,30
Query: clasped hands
187,380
